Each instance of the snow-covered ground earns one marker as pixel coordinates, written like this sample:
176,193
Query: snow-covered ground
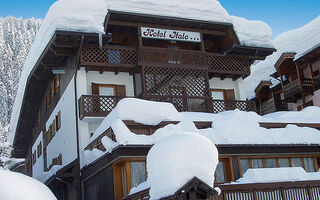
299,40
16,186
230,127
89,16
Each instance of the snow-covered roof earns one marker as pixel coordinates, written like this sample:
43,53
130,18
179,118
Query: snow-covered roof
16,186
245,127
299,40
270,175
89,15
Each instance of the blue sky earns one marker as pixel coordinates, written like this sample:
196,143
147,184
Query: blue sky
281,15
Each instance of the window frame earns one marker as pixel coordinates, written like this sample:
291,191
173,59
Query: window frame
228,170
118,178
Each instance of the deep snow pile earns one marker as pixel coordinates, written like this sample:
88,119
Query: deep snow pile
230,127
298,40
269,175
16,186
89,16
181,157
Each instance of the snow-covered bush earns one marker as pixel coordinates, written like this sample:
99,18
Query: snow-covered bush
16,186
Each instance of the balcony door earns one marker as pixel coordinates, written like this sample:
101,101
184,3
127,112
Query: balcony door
224,99
107,95
173,57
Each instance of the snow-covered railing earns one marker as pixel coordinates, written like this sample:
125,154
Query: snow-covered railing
223,105
271,191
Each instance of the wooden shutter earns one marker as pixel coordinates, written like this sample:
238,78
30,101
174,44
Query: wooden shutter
53,127
58,121
230,94
121,90
56,83
95,88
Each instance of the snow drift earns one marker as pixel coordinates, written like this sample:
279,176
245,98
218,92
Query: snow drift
271,175
16,186
181,157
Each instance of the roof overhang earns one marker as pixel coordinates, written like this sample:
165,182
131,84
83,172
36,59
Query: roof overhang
257,53
310,55
262,87
61,45
285,63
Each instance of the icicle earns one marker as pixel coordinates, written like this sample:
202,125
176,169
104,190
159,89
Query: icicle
100,40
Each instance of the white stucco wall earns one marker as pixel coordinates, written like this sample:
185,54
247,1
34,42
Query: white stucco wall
65,140
228,83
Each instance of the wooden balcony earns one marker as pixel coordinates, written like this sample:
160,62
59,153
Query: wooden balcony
271,106
97,106
300,190
224,105
101,106
294,89
115,58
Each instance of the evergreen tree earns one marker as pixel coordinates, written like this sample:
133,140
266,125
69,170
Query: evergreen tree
16,37
5,149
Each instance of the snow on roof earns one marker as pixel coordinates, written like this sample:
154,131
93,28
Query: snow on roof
270,175
245,127
16,186
298,40
181,157
44,176
89,16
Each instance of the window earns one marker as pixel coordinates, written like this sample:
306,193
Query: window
271,163
309,163
220,173
224,172
217,94
128,173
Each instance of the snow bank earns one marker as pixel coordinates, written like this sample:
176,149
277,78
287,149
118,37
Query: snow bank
16,186
269,175
89,16
181,157
298,40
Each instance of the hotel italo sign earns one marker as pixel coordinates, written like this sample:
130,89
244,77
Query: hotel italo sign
165,34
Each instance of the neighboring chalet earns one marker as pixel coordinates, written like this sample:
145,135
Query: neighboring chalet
299,85
198,66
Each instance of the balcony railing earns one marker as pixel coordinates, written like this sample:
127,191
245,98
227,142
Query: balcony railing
123,56
224,105
294,88
101,106
302,190
174,56
97,106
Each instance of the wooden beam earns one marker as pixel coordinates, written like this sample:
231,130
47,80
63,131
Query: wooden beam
63,51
